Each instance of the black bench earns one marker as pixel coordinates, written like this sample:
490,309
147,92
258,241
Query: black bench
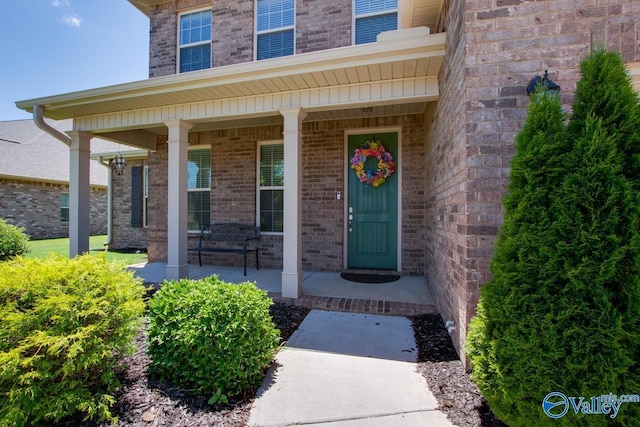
229,237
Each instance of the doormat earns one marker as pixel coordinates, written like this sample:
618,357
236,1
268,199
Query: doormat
370,278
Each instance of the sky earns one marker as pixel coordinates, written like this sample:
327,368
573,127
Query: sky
52,47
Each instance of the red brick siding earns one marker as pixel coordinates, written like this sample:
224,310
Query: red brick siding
445,177
323,24
320,25
232,40
123,236
233,191
494,48
36,206
158,205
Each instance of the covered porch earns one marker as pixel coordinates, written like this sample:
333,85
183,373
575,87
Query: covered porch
407,296
377,87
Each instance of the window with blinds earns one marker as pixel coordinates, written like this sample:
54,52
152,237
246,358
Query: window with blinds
271,187
64,207
373,17
275,21
199,189
194,40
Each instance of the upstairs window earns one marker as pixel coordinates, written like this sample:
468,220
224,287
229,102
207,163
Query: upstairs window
199,189
275,28
373,17
194,40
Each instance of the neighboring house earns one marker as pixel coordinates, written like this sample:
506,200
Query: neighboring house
254,110
34,181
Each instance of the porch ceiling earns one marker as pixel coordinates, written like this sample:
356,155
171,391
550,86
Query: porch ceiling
395,75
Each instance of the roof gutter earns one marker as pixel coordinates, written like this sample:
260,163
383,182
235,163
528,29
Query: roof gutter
38,118
109,197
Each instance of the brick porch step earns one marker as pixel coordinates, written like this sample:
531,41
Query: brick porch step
353,305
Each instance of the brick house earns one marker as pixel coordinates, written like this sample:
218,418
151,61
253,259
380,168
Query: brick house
34,181
243,92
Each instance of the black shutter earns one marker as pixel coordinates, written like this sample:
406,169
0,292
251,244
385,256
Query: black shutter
136,196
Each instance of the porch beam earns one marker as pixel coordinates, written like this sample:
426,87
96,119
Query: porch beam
177,266
292,239
79,192
137,138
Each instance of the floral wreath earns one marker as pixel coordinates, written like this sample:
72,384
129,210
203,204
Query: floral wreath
386,165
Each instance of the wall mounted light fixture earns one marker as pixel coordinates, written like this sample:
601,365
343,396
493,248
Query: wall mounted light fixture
545,81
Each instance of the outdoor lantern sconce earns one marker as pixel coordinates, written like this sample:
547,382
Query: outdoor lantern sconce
546,81
117,164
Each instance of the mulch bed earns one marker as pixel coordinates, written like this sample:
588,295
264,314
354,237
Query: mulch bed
448,380
143,402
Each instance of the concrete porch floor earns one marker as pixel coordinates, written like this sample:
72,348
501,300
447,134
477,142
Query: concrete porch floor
321,290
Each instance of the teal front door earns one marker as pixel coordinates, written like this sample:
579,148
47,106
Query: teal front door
372,212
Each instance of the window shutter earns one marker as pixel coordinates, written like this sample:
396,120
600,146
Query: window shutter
136,196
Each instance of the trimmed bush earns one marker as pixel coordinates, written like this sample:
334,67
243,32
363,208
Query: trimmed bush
13,241
62,324
210,337
562,311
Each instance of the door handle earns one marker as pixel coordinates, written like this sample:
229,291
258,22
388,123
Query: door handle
350,219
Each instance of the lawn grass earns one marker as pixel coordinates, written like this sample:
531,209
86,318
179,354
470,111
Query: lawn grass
42,248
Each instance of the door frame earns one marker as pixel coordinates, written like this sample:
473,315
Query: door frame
345,192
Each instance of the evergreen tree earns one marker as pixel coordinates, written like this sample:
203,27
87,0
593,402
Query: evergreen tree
605,90
561,312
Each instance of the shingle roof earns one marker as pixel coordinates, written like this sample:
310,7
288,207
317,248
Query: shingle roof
26,152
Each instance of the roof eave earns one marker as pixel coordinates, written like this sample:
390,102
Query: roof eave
404,44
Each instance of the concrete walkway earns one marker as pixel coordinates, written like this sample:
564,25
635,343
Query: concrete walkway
347,369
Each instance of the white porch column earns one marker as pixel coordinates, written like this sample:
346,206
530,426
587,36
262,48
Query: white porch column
177,267
79,192
292,239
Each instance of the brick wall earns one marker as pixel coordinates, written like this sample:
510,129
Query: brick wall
445,178
320,24
233,191
36,206
494,48
323,24
158,207
123,235
232,40
162,40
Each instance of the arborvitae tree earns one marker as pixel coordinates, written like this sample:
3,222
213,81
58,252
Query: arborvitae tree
561,312
605,90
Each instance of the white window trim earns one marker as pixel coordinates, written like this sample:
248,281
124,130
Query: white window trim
193,190
179,46
259,188
64,207
256,33
368,15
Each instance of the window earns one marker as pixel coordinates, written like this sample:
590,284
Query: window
271,187
194,40
373,17
275,24
199,188
64,207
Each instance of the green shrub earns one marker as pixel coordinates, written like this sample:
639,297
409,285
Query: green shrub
211,337
62,322
13,241
562,312
605,91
